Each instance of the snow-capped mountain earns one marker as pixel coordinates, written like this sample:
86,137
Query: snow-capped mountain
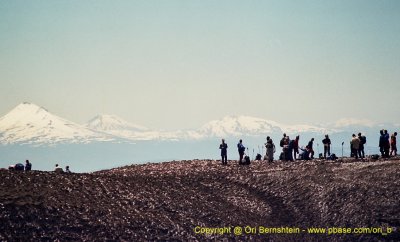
305,128
365,126
111,123
251,126
347,122
238,126
229,126
29,123
116,126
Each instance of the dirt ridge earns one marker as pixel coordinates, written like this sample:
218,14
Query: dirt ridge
166,201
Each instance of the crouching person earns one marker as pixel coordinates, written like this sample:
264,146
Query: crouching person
58,169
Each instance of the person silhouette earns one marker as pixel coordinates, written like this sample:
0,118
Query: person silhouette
224,157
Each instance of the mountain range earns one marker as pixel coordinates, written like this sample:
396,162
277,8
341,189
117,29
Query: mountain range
31,124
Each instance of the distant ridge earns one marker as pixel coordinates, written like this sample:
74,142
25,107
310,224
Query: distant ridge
28,123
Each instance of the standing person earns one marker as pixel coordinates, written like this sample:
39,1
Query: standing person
241,150
355,145
285,149
224,157
327,146
382,143
28,165
393,144
363,141
282,142
290,150
270,147
386,143
266,151
296,147
310,147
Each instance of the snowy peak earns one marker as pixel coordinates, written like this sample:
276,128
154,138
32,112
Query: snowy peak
239,125
305,128
251,126
116,126
32,124
27,114
29,123
108,122
346,122
26,110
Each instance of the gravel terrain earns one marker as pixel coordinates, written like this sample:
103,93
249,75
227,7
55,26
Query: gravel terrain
167,201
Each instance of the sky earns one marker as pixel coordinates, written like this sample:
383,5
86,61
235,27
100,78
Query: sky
179,64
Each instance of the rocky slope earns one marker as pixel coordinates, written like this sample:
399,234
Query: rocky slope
166,201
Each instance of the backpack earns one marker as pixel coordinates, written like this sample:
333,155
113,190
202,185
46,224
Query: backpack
363,140
241,148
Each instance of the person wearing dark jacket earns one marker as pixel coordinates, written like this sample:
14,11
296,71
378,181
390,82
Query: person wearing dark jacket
241,150
223,147
67,170
327,146
386,143
285,149
363,140
28,165
289,156
282,142
310,146
305,153
382,143
296,147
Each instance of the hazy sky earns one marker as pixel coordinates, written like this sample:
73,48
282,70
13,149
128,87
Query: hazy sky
178,64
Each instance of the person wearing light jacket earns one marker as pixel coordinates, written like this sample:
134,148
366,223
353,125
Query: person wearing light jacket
355,145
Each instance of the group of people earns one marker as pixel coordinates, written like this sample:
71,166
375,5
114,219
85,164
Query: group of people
60,170
28,167
291,148
387,143
292,151
357,146
21,167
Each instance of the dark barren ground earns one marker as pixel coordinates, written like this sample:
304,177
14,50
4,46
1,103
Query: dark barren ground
166,201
